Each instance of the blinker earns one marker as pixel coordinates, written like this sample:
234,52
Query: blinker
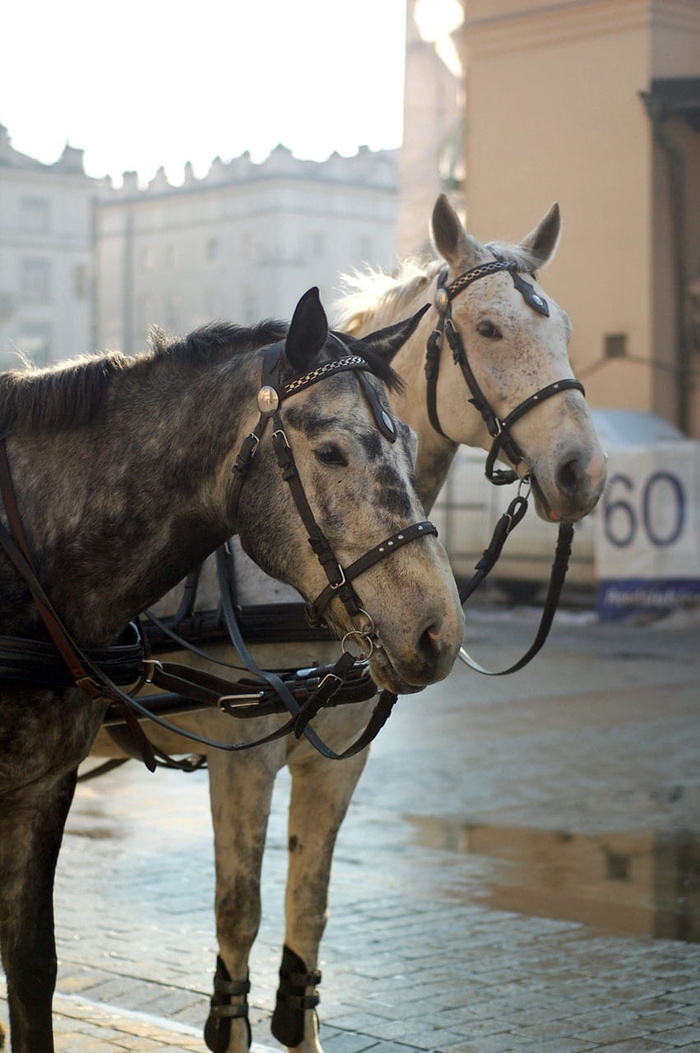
381,417
268,399
531,298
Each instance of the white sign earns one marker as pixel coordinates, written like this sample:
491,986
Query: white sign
648,529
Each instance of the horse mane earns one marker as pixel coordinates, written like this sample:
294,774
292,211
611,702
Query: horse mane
373,297
74,392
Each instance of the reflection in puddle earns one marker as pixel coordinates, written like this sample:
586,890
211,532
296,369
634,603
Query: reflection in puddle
623,883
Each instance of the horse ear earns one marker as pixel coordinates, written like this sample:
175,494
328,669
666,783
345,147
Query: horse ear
459,249
308,332
541,243
386,342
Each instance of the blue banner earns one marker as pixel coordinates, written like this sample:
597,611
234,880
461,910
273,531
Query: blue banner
637,595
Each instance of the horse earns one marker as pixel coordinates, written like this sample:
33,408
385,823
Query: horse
516,350
120,475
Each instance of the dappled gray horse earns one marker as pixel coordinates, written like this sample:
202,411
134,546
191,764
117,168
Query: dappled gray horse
128,472
516,339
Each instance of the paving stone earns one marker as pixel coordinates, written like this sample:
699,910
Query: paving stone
416,958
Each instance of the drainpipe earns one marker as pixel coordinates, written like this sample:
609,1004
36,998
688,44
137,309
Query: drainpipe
676,195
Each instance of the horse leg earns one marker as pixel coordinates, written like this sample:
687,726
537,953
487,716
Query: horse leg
321,792
31,829
241,790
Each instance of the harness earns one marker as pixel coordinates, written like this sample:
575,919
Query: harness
89,672
502,438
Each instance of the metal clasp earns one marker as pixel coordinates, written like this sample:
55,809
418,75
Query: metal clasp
151,665
525,484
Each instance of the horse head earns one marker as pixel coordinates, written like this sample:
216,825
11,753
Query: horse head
514,340
349,462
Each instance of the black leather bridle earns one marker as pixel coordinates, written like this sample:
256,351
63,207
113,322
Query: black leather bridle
273,392
502,440
499,428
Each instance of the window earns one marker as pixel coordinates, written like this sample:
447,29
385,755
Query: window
171,315
80,282
250,306
35,281
615,345
34,214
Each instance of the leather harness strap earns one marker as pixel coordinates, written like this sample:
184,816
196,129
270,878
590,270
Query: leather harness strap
498,428
200,686
502,440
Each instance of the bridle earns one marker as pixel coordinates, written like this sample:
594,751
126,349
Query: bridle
88,673
499,428
502,438
273,392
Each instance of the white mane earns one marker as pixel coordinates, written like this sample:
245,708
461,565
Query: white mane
373,298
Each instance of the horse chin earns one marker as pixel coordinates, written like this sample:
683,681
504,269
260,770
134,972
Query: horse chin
386,676
545,511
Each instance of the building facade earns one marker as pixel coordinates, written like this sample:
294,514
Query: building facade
46,243
241,244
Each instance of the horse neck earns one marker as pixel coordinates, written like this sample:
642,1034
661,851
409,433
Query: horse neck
116,514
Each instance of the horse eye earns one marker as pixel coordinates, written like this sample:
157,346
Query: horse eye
331,454
489,330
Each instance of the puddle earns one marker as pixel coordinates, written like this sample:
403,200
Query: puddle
622,883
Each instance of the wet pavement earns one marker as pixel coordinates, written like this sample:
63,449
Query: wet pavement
518,870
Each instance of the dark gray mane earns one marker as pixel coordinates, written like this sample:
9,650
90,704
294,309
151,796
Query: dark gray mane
74,392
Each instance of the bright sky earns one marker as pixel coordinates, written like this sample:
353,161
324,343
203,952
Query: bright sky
144,83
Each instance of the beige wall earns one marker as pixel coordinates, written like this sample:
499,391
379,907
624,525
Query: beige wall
554,113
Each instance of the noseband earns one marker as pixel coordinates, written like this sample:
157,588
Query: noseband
272,394
499,428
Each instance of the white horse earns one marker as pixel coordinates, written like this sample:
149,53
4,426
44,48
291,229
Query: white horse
516,341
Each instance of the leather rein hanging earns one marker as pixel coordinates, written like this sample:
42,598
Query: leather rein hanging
204,688
502,440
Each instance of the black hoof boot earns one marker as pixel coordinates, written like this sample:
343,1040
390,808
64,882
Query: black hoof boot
217,1030
287,1024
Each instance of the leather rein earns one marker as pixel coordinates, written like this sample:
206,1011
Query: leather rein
502,440
249,698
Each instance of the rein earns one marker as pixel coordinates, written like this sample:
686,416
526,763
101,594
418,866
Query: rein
502,441
242,698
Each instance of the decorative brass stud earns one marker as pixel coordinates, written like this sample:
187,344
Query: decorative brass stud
268,399
442,300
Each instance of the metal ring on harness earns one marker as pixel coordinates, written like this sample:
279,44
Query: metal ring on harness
366,642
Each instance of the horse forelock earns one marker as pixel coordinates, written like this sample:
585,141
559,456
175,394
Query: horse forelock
74,392
516,254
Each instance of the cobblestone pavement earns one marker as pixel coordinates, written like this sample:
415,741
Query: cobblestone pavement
518,871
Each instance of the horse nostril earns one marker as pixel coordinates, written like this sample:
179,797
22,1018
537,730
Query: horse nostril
569,476
430,643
